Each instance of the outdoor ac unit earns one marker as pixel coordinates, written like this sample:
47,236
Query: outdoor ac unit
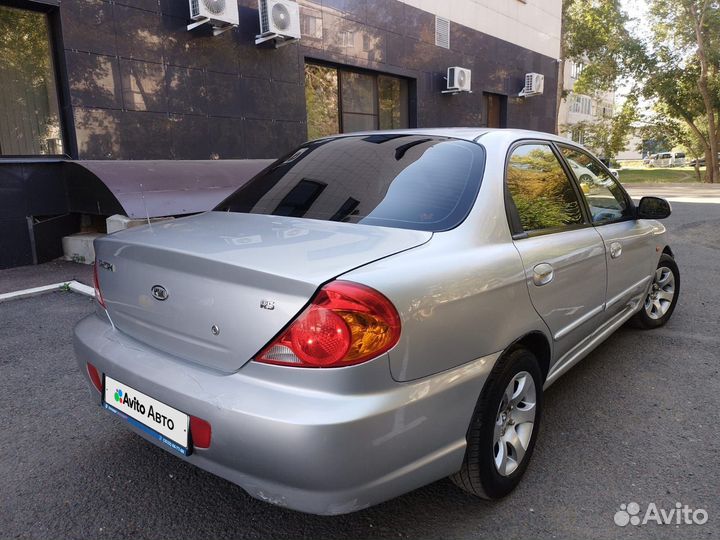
534,85
279,22
458,80
222,14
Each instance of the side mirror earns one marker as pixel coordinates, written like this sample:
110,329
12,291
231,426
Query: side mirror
653,208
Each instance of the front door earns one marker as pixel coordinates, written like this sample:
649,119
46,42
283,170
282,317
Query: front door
629,243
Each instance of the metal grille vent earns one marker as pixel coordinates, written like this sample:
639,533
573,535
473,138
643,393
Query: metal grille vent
216,7
442,32
264,22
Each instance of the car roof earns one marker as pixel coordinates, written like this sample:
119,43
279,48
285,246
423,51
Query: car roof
467,133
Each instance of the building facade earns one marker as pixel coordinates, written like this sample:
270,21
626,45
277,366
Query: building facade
126,80
578,110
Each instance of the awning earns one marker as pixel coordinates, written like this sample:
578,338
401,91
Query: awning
142,189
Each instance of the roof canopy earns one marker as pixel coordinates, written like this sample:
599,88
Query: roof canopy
142,189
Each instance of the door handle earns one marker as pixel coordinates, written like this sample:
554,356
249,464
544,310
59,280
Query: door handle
615,250
543,274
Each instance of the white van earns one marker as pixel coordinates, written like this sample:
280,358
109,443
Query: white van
667,159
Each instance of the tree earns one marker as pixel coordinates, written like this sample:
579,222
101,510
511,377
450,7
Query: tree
686,38
594,34
666,132
678,66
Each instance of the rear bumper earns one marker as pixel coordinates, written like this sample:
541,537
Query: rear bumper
317,441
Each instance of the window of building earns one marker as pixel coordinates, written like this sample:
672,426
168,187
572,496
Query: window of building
576,69
581,104
542,192
343,101
578,135
29,111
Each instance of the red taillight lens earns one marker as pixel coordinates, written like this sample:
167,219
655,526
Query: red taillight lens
201,432
96,284
345,324
94,376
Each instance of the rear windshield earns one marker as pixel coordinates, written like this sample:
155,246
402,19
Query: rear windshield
405,181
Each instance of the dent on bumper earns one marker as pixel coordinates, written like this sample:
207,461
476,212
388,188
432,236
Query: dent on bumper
355,439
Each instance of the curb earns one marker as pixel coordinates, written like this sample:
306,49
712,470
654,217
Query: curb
74,286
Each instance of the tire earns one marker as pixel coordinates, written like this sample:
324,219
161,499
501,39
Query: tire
663,296
479,474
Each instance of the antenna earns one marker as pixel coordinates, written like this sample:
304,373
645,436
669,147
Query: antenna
147,214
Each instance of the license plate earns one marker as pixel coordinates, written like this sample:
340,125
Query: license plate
158,420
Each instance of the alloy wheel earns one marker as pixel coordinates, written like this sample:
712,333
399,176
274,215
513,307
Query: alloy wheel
662,293
514,423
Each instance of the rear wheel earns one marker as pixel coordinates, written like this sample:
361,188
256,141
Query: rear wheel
662,297
504,427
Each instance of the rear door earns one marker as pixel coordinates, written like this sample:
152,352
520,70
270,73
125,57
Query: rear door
629,243
563,255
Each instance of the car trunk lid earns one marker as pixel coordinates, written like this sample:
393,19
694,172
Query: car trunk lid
215,288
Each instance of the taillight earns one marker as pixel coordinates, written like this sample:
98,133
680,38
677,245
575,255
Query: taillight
96,284
345,324
94,376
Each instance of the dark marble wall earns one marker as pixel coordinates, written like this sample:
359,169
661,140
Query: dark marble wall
142,87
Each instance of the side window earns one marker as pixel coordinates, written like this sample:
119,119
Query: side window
604,196
542,192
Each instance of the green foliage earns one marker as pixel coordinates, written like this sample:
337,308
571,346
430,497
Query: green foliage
609,136
540,213
677,66
595,33
24,45
321,99
540,191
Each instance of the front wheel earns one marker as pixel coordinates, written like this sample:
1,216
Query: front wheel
504,427
662,297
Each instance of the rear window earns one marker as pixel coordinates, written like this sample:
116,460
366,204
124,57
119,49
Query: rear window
404,181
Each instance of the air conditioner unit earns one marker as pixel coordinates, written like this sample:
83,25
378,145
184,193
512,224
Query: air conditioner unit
279,22
222,14
458,80
534,85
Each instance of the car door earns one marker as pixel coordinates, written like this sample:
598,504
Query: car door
563,255
629,242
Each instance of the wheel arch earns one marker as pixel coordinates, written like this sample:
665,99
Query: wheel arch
538,344
668,251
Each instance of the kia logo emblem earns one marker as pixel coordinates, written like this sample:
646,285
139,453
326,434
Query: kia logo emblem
159,292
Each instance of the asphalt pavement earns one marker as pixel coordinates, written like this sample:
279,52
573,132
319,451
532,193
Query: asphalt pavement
636,421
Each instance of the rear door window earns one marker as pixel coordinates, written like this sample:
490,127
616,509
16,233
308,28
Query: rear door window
541,191
393,180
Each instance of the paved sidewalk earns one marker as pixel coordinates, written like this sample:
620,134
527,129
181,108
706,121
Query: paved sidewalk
26,277
690,193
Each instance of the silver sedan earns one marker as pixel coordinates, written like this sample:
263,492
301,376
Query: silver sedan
374,312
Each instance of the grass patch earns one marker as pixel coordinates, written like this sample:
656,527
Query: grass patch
676,175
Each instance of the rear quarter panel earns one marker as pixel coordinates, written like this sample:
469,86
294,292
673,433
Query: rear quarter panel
456,303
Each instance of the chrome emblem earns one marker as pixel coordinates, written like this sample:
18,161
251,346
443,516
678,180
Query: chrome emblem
267,304
159,292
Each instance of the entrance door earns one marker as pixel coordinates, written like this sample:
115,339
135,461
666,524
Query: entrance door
494,110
